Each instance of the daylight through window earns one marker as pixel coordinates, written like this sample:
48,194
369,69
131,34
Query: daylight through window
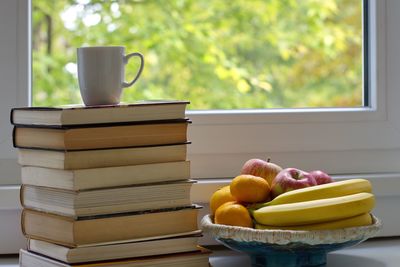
219,55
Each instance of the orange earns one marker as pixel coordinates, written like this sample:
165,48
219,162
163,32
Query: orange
250,189
233,213
220,197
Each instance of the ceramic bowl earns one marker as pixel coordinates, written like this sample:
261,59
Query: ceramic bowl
288,248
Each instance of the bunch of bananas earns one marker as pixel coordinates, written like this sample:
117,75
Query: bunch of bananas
328,206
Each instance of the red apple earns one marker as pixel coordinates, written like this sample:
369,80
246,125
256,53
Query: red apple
321,177
261,168
291,179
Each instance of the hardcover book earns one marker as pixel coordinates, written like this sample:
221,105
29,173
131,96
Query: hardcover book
99,137
72,232
83,179
186,259
98,158
80,114
106,200
113,251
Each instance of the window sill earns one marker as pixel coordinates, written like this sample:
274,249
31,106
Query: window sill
372,253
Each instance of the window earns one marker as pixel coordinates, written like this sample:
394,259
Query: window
346,142
241,55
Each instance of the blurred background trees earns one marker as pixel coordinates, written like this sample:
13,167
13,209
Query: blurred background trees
237,54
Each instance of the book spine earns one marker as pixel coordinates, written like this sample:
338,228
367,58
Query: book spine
12,116
13,137
23,218
21,195
100,125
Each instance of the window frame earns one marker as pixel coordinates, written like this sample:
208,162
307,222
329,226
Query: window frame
324,134
348,142
223,139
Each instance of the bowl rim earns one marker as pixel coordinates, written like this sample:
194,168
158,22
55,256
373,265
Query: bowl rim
284,237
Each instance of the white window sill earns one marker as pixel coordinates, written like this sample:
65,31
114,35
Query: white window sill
372,253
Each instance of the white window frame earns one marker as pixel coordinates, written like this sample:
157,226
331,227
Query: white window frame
347,142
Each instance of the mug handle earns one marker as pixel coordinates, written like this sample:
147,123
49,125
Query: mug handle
126,59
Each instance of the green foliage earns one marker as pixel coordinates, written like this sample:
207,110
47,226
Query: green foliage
235,54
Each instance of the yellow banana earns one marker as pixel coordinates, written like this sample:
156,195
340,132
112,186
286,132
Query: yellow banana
315,211
359,220
335,189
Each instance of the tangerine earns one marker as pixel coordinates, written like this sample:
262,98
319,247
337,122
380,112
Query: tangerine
233,213
220,197
250,188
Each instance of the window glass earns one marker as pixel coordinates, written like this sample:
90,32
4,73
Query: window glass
236,54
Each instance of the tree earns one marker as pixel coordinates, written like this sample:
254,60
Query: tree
217,54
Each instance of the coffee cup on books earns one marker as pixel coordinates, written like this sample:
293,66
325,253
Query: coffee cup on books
101,73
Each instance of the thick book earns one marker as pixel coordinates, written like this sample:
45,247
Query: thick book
106,200
72,232
198,258
80,114
83,179
86,159
98,137
102,252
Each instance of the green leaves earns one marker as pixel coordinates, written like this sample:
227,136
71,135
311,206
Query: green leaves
217,54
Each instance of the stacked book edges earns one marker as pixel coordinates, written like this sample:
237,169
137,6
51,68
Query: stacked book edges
113,200
84,137
100,158
197,258
69,115
185,242
107,186
74,232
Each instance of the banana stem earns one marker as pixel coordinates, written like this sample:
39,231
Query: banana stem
257,206
251,211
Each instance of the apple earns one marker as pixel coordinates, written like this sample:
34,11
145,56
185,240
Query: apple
291,179
321,177
261,168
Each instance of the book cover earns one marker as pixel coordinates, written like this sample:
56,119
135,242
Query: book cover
98,137
112,200
186,259
80,114
83,179
99,158
100,252
72,232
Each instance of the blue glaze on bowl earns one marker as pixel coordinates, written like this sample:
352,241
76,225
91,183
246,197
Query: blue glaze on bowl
290,255
286,248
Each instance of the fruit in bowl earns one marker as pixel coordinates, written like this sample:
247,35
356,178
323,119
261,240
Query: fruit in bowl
291,179
220,197
315,211
321,177
261,168
249,188
233,213
296,200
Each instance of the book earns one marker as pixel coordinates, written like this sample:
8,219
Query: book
101,252
80,114
72,232
106,200
186,259
105,136
83,179
85,159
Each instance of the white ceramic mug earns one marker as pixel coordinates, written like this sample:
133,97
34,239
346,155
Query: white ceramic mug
101,73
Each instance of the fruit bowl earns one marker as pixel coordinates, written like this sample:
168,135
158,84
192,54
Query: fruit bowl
288,248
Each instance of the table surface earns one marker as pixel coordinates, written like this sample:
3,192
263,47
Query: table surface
372,253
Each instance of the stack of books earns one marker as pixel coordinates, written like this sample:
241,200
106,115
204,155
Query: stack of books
107,186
